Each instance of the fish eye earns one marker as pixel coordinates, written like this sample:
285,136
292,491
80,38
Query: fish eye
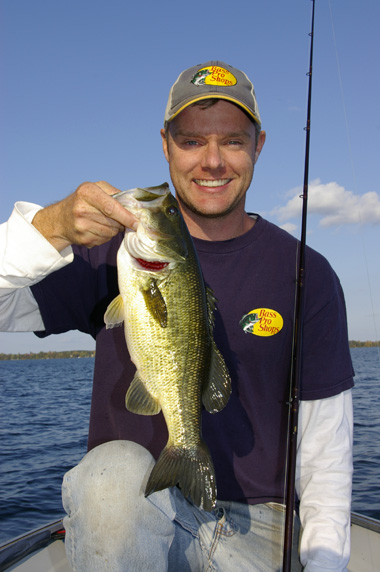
172,211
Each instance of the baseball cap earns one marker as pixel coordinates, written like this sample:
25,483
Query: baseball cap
213,79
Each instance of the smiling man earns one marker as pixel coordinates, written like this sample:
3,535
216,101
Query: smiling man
211,158
58,272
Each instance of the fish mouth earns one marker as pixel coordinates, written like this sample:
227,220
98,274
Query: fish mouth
151,248
148,253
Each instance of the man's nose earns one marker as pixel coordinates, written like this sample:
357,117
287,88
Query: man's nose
213,156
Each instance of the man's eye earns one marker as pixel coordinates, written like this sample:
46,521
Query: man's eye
191,143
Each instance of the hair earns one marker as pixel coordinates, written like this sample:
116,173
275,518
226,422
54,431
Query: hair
210,102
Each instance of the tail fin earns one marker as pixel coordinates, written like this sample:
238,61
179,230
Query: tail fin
191,469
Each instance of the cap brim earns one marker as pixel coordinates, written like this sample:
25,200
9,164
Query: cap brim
215,96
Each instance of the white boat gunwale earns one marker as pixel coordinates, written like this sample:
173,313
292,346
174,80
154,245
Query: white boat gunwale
18,550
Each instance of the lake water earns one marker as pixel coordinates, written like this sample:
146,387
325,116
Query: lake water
43,431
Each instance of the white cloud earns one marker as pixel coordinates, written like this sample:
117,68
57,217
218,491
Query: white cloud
333,204
290,227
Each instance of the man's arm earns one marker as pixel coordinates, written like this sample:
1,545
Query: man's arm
36,242
324,482
26,257
88,217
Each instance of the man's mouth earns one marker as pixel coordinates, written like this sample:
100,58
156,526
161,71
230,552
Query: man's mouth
211,183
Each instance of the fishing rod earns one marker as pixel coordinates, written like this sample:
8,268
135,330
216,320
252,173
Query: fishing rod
296,359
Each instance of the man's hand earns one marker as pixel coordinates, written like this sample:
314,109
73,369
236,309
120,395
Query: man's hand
88,217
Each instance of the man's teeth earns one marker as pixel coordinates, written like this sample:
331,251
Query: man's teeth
214,183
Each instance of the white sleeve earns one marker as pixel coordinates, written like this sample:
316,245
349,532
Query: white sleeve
324,482
26,257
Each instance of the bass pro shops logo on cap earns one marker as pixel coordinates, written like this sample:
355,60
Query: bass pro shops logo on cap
214,75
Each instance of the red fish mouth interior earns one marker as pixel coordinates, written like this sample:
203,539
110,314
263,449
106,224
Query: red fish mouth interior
152,264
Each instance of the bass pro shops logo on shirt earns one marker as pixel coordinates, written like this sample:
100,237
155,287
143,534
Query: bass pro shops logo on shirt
262,322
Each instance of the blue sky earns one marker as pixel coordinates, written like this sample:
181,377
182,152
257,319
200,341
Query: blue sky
83,90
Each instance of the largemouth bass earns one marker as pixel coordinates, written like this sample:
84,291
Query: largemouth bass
168,321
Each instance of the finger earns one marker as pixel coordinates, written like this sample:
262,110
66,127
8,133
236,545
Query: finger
107,188
113,209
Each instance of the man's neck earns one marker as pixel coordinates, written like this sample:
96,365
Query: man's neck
219,228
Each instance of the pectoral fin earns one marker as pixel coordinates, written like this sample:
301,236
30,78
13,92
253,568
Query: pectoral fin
139,400
155,302
114,315
217,390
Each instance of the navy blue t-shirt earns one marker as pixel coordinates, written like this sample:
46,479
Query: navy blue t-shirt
253,278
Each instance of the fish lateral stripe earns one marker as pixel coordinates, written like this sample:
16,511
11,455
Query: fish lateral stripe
155,303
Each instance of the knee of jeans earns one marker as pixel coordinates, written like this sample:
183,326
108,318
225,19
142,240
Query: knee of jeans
116,468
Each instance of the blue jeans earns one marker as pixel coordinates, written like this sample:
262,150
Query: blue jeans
112,527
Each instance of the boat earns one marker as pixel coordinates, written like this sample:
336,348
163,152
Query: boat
365,544
43,550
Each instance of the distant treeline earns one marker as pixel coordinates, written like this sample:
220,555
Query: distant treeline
49,355
357,344
86,353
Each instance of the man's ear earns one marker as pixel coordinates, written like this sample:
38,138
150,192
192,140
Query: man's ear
260,144
165,144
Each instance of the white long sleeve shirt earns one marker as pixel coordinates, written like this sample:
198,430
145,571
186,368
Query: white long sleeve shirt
324,465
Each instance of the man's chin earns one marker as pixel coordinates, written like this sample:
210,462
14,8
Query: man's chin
206,212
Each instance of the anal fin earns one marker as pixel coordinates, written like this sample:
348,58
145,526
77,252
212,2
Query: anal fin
139,400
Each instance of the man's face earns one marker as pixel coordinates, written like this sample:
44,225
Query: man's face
211,154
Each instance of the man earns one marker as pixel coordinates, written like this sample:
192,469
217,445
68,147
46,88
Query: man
212,139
